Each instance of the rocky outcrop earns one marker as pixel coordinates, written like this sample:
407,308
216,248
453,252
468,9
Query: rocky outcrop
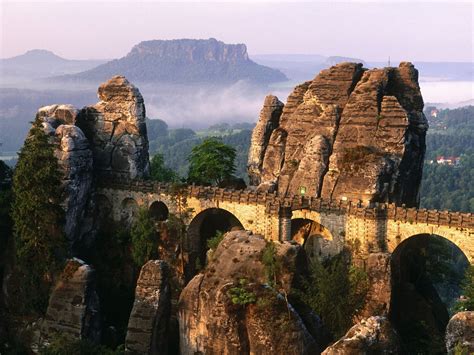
268,121
148,323
213,321
116,128
73,309
350,133
108,138
460,333
377,301
72,149
373,335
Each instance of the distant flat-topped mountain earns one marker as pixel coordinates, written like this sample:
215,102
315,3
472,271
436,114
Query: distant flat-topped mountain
184,61
38,63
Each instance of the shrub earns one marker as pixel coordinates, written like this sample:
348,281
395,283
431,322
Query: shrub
214,242
242,294
144,238
467,302
334,290
271,263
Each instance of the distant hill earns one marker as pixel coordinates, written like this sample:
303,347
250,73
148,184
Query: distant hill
39,63
184,61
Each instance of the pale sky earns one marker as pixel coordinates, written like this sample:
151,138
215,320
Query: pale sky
415,31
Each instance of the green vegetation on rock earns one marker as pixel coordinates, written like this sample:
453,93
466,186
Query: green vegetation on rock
335,290
144,238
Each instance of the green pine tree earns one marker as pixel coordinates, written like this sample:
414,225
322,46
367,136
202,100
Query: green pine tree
38,220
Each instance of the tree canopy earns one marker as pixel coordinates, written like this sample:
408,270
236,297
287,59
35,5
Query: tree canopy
158,170
211,162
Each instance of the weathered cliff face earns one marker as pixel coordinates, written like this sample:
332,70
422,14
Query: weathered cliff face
211,323
73,308
350,133
72,149
107,138
268,121
116,128
460,332
148,323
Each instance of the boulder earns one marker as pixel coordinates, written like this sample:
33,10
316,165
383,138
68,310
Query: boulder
212,321
373,335
116,129
350,133
73,309
460,332
148,323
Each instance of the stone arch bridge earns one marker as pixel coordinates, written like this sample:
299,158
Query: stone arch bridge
374,228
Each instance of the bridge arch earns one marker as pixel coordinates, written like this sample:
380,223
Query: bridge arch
426,275
321,235
204,226
158,211
399,231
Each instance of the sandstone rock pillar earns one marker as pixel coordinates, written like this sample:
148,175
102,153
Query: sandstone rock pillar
148,324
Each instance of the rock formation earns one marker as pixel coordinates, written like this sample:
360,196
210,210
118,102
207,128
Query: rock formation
107,138
72,149
380,286
148,323
350,133
268,121
460,332
212,323
73,308
116,128
374,335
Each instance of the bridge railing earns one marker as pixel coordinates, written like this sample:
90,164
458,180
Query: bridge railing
275,203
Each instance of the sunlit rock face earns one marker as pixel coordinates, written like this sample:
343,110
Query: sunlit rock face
212,323
350,133
107,138
116,129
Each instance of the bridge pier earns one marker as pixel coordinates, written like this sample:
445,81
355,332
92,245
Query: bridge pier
285,224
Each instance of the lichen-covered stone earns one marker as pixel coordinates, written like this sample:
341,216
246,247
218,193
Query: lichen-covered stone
148,323
210,323
116,128
373,335
350,133
73,309
460,332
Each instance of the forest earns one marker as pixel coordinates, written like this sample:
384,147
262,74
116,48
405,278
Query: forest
451,134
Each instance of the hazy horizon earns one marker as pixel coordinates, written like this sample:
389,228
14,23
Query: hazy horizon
372,31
